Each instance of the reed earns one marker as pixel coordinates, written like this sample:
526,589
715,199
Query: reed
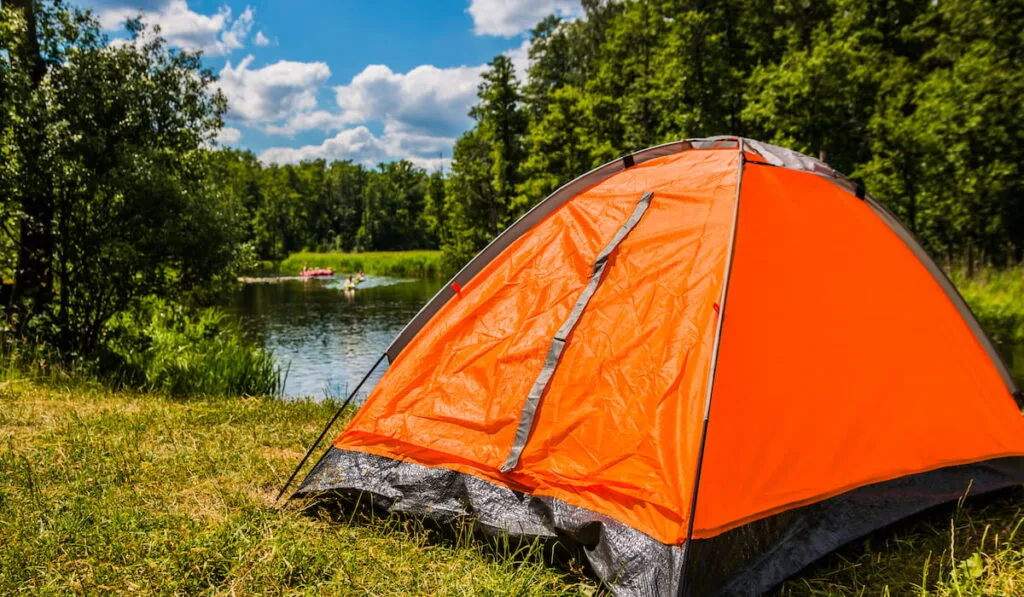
399,264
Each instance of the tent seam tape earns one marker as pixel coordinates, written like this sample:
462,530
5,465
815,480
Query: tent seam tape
713,369
558,342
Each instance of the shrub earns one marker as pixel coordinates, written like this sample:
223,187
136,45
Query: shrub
168,348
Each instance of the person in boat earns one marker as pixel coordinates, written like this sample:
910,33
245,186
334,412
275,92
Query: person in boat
360,277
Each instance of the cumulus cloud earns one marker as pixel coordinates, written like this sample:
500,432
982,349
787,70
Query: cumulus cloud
216,34
520,57
422,112
509,18
272,93
229,136
361,145
321,120
426,100
234,37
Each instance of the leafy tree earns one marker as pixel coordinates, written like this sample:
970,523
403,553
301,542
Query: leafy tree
485,165
393,202
560,147
921,99
111,192
434,220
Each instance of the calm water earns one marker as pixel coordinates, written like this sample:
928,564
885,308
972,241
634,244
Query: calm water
326,338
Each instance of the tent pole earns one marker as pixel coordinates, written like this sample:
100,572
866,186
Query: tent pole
329,425
711,378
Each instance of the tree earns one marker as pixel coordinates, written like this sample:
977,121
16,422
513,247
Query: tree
434,220
111,190
392,203
560,147
38,35
485,164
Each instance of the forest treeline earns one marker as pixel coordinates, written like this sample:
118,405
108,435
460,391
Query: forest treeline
330,206
921,100
117,209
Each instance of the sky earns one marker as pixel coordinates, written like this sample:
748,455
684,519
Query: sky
366,80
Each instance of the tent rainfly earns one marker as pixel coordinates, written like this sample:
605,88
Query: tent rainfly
704,365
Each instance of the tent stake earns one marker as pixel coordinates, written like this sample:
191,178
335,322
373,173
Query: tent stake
328,426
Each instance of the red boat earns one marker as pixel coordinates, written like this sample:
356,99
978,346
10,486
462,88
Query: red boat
316,272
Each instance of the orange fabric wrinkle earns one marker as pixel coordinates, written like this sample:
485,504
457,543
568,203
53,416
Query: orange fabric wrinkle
634,369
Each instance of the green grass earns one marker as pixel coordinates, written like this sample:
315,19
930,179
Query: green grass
112,492
405,264
120,493
997,299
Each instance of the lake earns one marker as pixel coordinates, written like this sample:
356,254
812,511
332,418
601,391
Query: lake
325,338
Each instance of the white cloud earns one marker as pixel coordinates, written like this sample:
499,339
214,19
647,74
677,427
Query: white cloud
426,100
229,136
509,18
361,145
307,121
422,111
234,38
217,34
520,57
260,40
273,93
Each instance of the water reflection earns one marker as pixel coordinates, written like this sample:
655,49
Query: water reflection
328,338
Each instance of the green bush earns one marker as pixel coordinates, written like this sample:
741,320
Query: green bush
997,299
170,349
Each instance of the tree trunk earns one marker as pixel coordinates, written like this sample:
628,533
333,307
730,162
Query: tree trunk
33,276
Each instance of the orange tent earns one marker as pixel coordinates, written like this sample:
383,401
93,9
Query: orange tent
707,364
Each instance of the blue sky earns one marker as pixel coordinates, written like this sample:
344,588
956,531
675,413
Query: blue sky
367,80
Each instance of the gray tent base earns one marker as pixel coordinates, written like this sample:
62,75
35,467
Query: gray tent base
745,561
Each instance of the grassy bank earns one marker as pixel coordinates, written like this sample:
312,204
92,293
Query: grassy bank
402,264
104,492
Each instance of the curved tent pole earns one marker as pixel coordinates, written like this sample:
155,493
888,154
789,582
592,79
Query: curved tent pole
537,213
711,375
328,426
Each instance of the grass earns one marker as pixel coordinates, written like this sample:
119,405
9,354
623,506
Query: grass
121,493
997,299
973,549
182,353
118,493
402,264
